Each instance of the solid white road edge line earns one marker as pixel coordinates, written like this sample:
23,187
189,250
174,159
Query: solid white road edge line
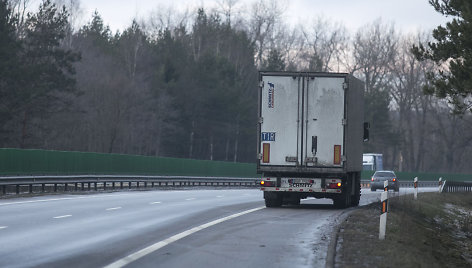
148,250
63,216
113,208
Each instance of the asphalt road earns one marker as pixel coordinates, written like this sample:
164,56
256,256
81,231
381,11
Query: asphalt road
191,228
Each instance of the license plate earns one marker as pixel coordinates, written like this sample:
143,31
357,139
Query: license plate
300,182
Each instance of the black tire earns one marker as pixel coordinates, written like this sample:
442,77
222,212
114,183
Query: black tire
357,195
273,199
373,189
397,189
344,199
273,203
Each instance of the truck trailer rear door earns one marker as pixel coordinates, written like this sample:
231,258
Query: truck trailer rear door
302,120
280,101
324,120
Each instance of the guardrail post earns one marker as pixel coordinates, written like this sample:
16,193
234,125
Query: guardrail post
104,186
383,215
145,184
440,184
95,186
4,189
76,186
17,189
65,187
43,186
121,185
55,187
415,183
31,188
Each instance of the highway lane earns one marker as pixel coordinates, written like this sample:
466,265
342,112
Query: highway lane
99,229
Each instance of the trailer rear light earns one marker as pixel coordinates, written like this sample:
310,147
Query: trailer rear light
372,179
394,179
268,183
334,185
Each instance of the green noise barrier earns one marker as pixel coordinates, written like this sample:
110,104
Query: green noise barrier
44,162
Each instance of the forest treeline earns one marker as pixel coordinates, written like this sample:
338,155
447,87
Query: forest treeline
184,84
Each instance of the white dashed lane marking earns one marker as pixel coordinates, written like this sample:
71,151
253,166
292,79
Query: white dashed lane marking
152,203
3,227
188,199
219,196
63,216
113,208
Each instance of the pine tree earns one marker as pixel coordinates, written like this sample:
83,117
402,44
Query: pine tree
9,59
453,49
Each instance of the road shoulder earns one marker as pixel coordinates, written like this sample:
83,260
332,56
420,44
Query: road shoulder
433,231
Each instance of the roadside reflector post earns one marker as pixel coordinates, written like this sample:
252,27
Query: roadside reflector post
383,215
415,183
440,184
386,186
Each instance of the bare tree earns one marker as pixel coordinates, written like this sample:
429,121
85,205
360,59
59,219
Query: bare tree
325,43
228,8
166,18
264,16
410,102
374,49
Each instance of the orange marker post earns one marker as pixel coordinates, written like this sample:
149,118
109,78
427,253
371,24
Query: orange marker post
383,215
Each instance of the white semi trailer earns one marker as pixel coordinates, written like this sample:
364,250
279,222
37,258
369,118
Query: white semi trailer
310,137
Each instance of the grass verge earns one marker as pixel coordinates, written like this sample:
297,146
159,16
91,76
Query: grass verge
433,231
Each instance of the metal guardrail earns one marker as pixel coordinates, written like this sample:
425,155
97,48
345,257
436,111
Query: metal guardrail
456,186
28,184
406,184
17,184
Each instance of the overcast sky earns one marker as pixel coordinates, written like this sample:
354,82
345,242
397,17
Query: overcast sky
408,15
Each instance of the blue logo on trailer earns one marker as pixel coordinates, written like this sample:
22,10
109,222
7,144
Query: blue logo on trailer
271,95
268,136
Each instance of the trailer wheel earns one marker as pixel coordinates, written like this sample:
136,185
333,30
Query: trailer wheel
357,195
343,201
272,199
273,203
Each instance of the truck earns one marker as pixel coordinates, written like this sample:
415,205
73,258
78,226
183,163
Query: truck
311,131
372,162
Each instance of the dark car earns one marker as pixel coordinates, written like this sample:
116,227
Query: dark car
380,176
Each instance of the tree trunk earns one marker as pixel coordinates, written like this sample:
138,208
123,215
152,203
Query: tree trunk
192,134
211,147
235,157
23,132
